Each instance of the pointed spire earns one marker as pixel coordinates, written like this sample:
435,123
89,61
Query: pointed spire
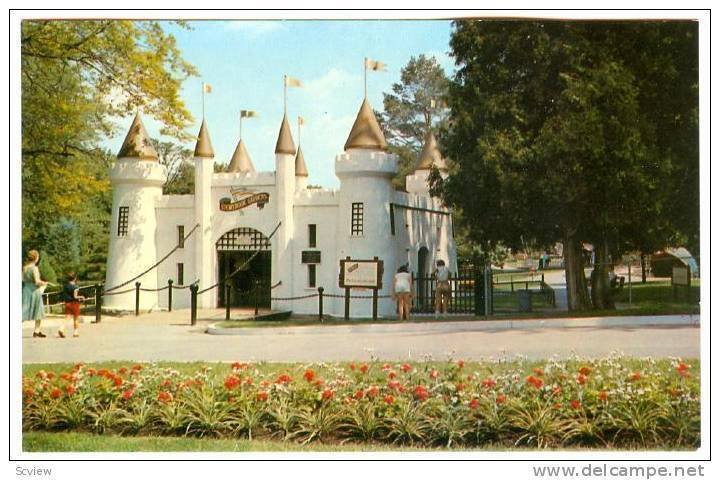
300,167
285,143
240,161
430,154
366,132
137,142
203,147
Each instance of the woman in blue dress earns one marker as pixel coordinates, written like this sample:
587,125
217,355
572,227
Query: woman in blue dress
32,290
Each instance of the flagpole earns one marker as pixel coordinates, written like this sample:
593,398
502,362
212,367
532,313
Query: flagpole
365,74
203,100
285,94
240,129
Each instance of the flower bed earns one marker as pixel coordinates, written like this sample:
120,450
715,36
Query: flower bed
607,403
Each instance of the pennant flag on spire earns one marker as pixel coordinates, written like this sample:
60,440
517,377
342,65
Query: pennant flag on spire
301,121
248,113
375,65
207,88
292,81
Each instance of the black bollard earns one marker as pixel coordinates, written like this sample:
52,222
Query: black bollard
375,304
137,298
170,282
320,303
98,302
193,304
227,301
257,296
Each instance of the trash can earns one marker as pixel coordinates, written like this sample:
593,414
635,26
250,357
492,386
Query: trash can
525,300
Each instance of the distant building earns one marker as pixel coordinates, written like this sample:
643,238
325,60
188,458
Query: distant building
236,212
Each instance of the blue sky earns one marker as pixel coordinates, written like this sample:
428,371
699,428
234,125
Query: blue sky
244,61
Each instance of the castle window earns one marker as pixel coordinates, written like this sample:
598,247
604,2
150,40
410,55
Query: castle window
181,274
123,214
181,236
312,272
356,224
312,235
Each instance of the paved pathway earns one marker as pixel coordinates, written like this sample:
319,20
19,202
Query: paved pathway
163,336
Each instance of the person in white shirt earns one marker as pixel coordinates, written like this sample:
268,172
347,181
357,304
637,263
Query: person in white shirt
442,287
402,292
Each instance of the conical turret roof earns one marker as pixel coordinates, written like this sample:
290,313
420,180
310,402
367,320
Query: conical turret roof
240,161
285,143
366,132
203,147
300,167
137,142
430,155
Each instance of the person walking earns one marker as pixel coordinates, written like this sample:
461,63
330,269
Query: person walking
32,290
442,287
402,292
72,304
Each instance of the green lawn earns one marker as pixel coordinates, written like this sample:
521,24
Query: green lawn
658,297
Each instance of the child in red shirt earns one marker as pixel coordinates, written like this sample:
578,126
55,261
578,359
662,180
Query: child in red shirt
72,299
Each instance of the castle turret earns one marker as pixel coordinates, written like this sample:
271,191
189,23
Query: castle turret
137,179
241,162
204,159
301,172
430,156
284,193
365,171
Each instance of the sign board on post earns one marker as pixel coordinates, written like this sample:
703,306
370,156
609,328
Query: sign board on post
681,276
361,273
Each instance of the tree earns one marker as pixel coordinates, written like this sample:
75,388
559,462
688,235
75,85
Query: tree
414,106
180,170
552,141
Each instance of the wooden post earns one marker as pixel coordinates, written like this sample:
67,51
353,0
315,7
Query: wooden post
227,301
629,284
170,282
347,304
98,302
375,303
193,304
137,298
320,303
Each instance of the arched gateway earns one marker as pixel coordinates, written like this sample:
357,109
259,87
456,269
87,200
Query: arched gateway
234,249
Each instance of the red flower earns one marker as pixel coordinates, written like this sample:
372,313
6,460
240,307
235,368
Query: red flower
42,374
581,379
352,367
635,376
461,364
128,394
434,373
585,371
603,396
405,367
682,369
460,387
421,393
500,399
359,395
90,372
28,393
393,385
231,381
556,390
66,377
50,375
262,396
166,383
575,404
392,374
283,379
557,406
264,384
165,397
309,375
319,382
386,367
122,371
489,383
474,403
538,371
328,394
364,368
55,393
70,389
118,381
675,392
373,391
248,381
389,399
534,381
239,365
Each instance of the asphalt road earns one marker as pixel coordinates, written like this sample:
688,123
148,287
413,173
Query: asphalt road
163,336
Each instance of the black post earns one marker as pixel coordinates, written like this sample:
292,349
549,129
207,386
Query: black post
347,304
479,291
227,301
170,282
320,303
257,296
375,303
98,302
193,304
137,298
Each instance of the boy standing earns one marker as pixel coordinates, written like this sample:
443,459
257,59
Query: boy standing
72,304
442,288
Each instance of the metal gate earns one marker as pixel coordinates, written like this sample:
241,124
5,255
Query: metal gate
467,292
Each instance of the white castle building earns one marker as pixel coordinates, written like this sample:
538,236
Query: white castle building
237,211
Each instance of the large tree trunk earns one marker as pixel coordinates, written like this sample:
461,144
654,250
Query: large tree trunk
577,293
601,292
642,266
